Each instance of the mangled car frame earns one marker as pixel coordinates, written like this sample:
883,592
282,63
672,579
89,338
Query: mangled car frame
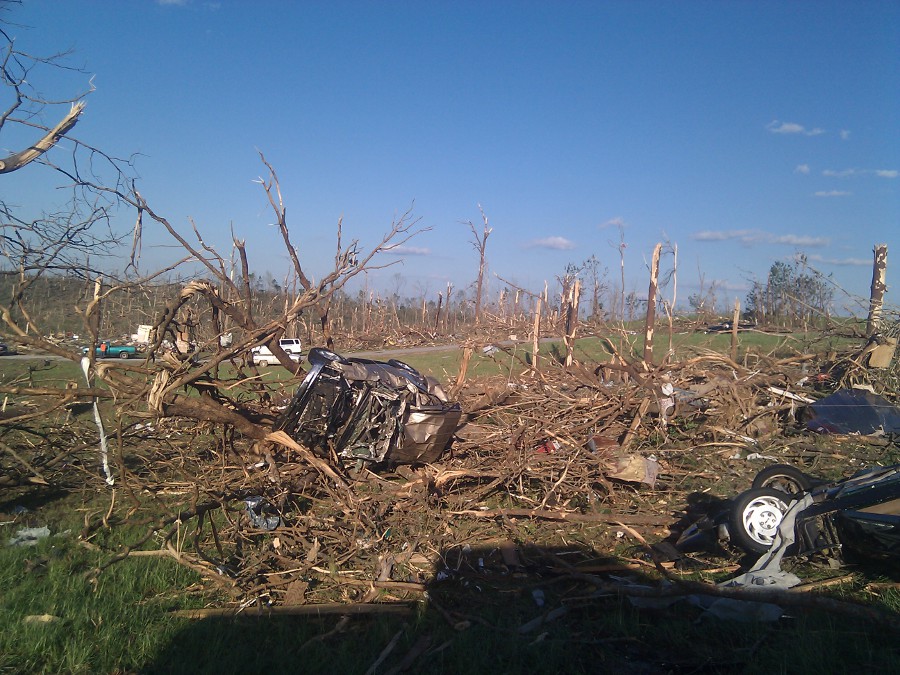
373,411
860,514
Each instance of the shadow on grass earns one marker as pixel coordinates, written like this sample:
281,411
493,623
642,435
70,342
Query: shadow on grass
526,609
29,497
486,609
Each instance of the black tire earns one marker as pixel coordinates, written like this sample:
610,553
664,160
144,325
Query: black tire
124,355
263,363
755,516
784,477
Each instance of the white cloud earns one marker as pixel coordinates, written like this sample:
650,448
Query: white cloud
832,193
802,168
800,240
408,250
749,237
618,221
554,243
845,134
847,173
725,285
722,235
210,5
856,262
777,127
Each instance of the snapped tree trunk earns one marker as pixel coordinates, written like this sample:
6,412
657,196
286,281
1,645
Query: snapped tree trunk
651,305
572,319
879,287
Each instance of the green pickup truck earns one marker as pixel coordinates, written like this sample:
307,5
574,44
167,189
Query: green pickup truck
107,350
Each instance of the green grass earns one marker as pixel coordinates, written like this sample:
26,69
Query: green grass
122,623
119,620
445,365
39,372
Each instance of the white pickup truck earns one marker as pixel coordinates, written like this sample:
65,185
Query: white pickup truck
263,356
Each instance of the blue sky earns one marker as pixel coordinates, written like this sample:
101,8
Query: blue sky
743,132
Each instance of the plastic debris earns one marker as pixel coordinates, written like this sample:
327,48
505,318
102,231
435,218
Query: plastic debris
549,446
854,411
635,469
29,536
256,507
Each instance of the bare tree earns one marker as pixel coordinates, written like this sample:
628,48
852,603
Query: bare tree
621,246
650,322
479,243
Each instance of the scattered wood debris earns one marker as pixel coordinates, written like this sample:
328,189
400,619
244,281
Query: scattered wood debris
549,472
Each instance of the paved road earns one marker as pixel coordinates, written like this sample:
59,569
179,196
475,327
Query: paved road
364,355
374,354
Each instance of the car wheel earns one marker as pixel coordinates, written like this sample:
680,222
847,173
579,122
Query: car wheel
124,355
263,363
755,517
784,477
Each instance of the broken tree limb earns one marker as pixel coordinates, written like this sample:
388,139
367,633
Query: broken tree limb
19,159
24,462
281,438
69,394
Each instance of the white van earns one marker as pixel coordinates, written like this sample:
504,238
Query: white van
263,356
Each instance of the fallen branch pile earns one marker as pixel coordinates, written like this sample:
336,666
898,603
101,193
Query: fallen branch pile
522,488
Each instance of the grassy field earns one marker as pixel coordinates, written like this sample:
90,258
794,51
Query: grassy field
593,349
513,359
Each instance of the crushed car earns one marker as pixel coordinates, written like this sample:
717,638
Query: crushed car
370,411
858,515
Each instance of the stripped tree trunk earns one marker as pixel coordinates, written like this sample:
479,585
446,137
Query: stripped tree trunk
572,319
879,287
437,315
536,335
671,311
480,244
734,328
651,305
463,369
447,326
